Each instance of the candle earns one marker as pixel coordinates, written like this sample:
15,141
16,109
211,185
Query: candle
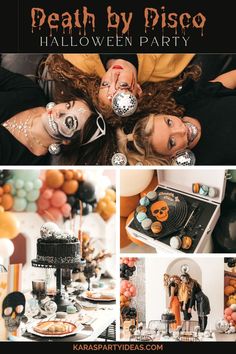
80,228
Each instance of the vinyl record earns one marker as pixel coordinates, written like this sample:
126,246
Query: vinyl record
170,209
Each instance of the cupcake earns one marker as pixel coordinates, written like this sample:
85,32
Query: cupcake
175,242
152,195
141,208
144,201
186,242
156,227
146,224
141,216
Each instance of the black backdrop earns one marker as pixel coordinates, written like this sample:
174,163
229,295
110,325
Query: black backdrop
218,35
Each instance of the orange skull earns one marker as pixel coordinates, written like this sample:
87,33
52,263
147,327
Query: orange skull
160,210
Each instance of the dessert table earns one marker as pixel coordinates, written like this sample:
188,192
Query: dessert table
93,315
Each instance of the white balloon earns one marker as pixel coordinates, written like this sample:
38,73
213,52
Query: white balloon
133,182
6,247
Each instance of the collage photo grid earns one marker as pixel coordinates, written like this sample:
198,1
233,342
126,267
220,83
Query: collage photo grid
117,198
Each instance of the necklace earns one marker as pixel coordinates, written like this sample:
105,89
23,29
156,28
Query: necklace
23,127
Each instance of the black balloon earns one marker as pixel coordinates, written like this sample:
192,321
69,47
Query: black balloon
71,200
4,176
230,197
86,192
224,234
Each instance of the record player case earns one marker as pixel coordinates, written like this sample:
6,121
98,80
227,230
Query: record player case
180,183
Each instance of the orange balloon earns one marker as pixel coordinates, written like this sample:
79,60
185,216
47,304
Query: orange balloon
7,188
78,175
68,175
137,242
9,225
7,201
54,179
70,186
228,290
1,191
151,187
124,240
111,193
128,204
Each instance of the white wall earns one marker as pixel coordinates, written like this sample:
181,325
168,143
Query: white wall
212,284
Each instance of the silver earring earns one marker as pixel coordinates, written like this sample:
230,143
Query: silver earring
184,158
54,149
119,159
50,105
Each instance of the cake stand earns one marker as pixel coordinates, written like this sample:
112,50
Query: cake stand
167,325
59,298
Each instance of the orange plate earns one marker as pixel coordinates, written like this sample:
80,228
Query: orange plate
43,326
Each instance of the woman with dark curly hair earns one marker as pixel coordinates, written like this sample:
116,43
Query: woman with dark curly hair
30,132
182,114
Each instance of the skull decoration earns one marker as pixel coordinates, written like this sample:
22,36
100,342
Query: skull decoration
13,309
160,210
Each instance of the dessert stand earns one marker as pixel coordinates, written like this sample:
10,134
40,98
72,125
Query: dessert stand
59,298
167,325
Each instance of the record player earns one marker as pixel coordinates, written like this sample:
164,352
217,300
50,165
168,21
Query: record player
177,219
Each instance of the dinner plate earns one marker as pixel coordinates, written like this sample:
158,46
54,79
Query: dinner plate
96,296
40,329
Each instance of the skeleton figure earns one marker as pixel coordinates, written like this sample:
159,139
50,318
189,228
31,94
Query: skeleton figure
160,210
13,309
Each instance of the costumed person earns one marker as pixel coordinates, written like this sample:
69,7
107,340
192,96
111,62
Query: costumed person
127,72
184,295
182,121
200,302
31,129
174,304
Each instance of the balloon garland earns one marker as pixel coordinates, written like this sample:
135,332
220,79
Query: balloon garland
127,288
56,194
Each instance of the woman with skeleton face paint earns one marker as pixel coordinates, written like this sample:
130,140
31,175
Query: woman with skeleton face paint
31,130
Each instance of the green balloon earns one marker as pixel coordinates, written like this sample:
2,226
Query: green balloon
38,183
31,207
26,175
21,193
33,195
19,204
29,186
19,183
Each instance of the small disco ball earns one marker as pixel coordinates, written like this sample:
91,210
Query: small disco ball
222,326
50,307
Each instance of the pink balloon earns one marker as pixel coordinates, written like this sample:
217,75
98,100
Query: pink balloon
134,293
53,214
126,261
229,318
43,204
225,317
228,311
129,285
66,209
58,199
131,264
124,283
122,290
47,194
233,316
127,294
132,288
